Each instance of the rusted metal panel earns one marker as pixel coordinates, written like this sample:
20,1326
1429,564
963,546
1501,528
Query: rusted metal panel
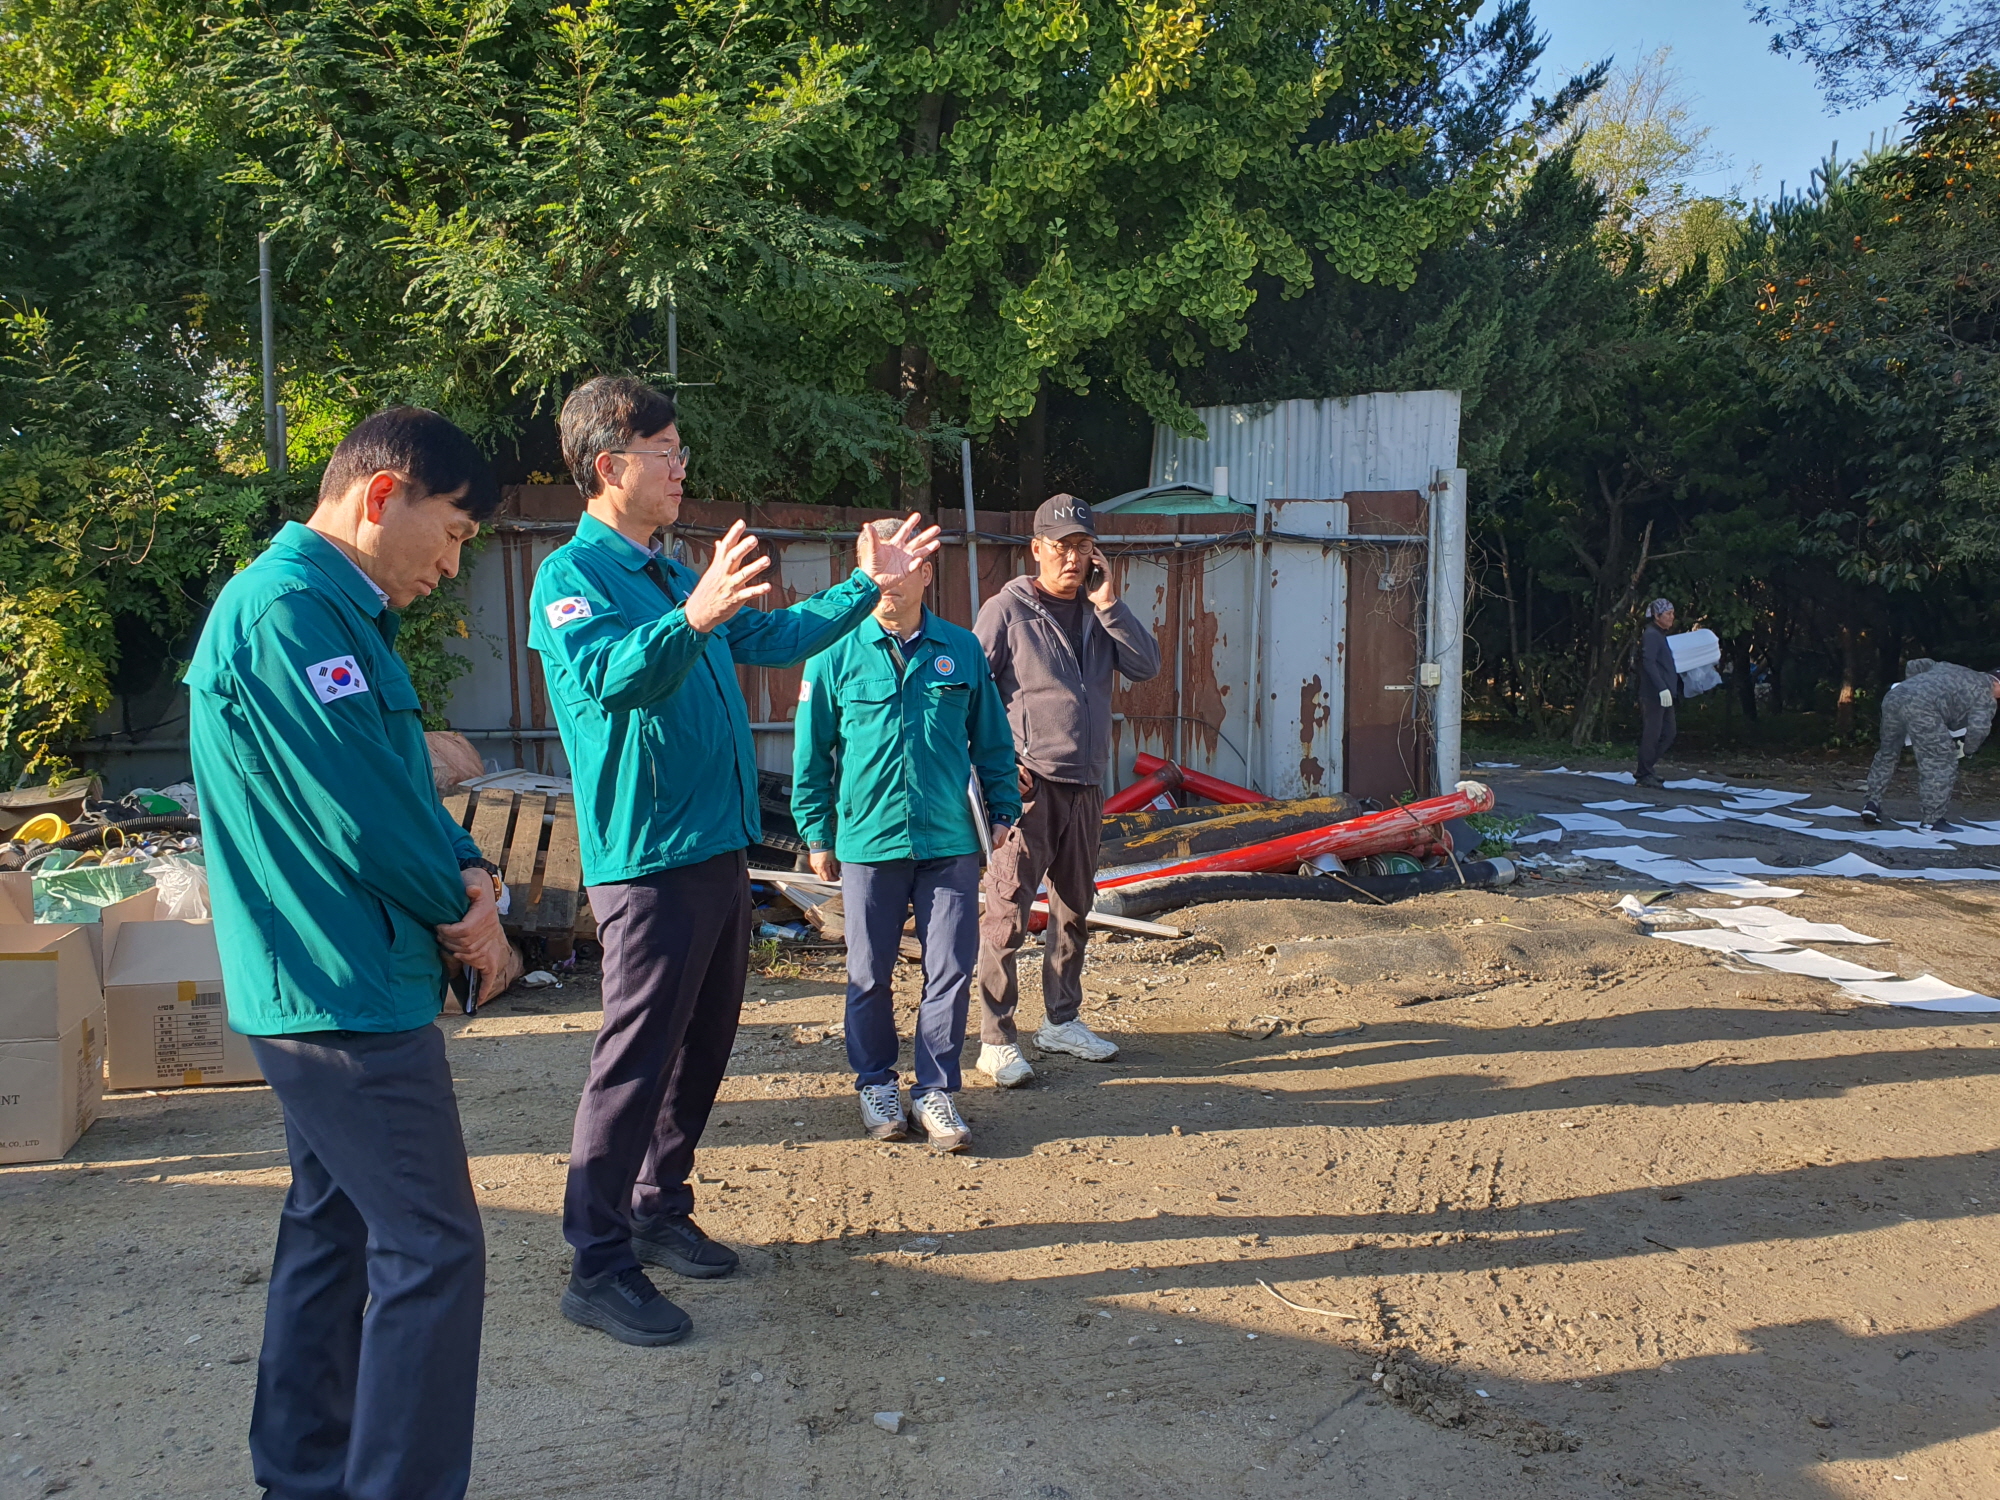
1305,629
1387,753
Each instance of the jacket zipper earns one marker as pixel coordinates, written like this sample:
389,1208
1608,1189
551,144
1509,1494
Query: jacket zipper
1061,634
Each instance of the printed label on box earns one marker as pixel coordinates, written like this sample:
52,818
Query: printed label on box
187,1037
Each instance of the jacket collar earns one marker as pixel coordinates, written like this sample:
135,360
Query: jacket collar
338,568
873,631
1024,589
612,543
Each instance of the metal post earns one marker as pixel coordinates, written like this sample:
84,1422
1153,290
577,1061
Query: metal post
1260,572
673,342
971,528
1447,622
274,430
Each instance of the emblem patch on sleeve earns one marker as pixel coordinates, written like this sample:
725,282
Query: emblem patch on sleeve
336,677
568,611
805,690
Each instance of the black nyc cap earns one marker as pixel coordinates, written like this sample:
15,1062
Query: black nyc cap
1064,515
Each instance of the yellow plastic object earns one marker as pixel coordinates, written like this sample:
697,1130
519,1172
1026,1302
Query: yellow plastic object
49,828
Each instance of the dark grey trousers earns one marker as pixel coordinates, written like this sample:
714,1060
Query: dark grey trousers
676,953
370,1363
944,894
1056,841
1656,733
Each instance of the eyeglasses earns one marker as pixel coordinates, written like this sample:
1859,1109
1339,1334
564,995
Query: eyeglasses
677,458
1070,546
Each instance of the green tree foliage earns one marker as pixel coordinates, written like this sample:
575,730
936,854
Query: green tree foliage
1863,49
1878,296
1092,190
489,199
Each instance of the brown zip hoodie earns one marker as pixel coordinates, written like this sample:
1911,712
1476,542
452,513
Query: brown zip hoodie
1058,707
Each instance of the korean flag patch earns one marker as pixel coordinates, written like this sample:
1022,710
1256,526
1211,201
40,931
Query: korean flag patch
336,677
568,611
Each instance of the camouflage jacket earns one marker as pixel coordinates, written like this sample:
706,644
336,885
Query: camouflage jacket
1961,696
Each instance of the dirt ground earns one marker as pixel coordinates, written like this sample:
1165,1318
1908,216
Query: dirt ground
1601,1213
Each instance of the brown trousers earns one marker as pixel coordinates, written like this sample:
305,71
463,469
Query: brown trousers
1056,841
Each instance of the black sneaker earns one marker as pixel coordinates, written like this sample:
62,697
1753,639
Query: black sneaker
1942,825
1648,781
1871,813
625,1305
676,1242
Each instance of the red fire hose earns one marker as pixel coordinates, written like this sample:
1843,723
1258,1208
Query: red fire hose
1201,784
1394,829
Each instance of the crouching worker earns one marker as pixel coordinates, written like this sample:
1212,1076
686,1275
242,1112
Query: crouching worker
893,723
335,877
1933,700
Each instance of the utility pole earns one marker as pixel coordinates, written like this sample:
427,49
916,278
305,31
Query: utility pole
274,419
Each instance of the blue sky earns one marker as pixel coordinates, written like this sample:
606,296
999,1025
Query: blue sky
1764,110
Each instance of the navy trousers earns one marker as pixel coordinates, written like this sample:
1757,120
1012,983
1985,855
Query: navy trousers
877,898
676,954
370,1364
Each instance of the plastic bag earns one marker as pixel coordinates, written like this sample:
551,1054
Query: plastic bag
183,793
1698,680
76,895
183,887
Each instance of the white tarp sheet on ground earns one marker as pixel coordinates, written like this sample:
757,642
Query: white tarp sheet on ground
1925,992
1769,922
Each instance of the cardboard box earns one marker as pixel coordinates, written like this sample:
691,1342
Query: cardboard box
17,905
48,981
168,1022
51,1091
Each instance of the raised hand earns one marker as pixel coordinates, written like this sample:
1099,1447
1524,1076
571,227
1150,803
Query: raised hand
726,587
886,561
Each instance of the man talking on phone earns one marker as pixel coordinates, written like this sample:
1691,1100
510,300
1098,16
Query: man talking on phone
1053,642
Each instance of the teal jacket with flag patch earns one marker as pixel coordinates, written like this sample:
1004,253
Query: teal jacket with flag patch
884,746
330,859
649,709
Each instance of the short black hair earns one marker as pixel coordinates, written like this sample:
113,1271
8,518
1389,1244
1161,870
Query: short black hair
605,414
439,458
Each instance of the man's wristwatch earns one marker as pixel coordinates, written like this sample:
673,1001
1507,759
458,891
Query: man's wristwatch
490,868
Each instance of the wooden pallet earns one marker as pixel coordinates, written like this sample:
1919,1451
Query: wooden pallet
531,836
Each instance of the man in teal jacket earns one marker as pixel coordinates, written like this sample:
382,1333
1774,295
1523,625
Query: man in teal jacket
892,723
335,876
640,655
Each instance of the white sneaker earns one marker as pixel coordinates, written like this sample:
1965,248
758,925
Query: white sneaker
1004,1065
1078,1040
938,1117
882,1112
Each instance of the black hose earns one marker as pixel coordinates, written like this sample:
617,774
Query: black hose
98,837
1121,826
1245,826
1144,897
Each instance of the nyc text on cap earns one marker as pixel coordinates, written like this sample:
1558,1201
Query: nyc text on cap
1064,515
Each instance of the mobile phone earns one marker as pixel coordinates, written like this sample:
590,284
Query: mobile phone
465,985
1094,579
